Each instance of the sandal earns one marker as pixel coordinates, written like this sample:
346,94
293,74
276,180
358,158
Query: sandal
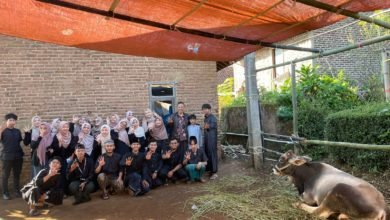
105,196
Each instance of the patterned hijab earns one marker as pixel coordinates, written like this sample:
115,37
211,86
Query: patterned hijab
63,137
86,139
102,139
122,133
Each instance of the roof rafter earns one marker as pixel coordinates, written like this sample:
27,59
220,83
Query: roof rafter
190,12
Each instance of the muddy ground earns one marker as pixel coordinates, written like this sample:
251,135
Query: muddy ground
167,202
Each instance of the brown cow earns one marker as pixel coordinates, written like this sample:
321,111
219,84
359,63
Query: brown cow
326,191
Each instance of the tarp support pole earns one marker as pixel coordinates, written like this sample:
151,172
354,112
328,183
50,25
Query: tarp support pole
253,111
331,52
386,73
294,104
345,12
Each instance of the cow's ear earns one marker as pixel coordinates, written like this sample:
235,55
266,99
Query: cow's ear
298,160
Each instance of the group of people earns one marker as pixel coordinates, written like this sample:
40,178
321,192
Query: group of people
78,157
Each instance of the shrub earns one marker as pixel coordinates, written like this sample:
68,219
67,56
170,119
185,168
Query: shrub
366,124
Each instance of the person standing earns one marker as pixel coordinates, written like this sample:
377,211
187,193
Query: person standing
11,154
40,148
179,122
210,140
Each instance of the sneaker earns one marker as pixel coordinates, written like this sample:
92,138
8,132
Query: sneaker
202,180
214,176
34,212
105,196
6,196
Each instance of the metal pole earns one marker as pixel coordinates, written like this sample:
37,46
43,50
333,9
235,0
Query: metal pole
386,74
347,144
345,12
331,52
253,110
294,104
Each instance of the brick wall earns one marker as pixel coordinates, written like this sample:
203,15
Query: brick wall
358,63
57,81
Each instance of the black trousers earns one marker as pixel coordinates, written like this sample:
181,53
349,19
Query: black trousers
179,174
16,167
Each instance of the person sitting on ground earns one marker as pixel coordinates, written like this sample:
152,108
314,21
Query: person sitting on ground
195,161
80,176
11,153
34,192
173,159
153,165
133,165
108,169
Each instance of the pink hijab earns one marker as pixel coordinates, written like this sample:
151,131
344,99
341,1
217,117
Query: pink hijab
46,141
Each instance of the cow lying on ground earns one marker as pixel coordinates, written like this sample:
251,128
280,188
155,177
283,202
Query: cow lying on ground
326,191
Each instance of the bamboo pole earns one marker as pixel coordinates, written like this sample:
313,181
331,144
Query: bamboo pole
347,144
331,52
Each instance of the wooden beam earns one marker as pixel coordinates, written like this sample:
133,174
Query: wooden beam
190,12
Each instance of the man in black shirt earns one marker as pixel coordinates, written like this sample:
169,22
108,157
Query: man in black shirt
173,159
133,165
108,170
11,154
80,176
153,165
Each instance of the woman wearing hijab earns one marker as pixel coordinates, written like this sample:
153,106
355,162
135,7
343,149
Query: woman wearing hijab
121,138
129,116
88,140
63,145
96,127
148,120
40,147
104,136
113,121
54,126
159,133
33,132
137,132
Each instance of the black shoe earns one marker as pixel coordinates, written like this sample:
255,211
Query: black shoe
137,193
6,196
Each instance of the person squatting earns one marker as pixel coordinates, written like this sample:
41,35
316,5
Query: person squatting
80,157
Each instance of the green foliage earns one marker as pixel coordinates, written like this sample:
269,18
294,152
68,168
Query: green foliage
239,101
372,89
225,92
371,30
366,124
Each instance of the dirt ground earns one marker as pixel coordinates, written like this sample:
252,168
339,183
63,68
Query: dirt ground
167,202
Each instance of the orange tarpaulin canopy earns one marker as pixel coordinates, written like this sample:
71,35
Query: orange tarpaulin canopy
139,27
